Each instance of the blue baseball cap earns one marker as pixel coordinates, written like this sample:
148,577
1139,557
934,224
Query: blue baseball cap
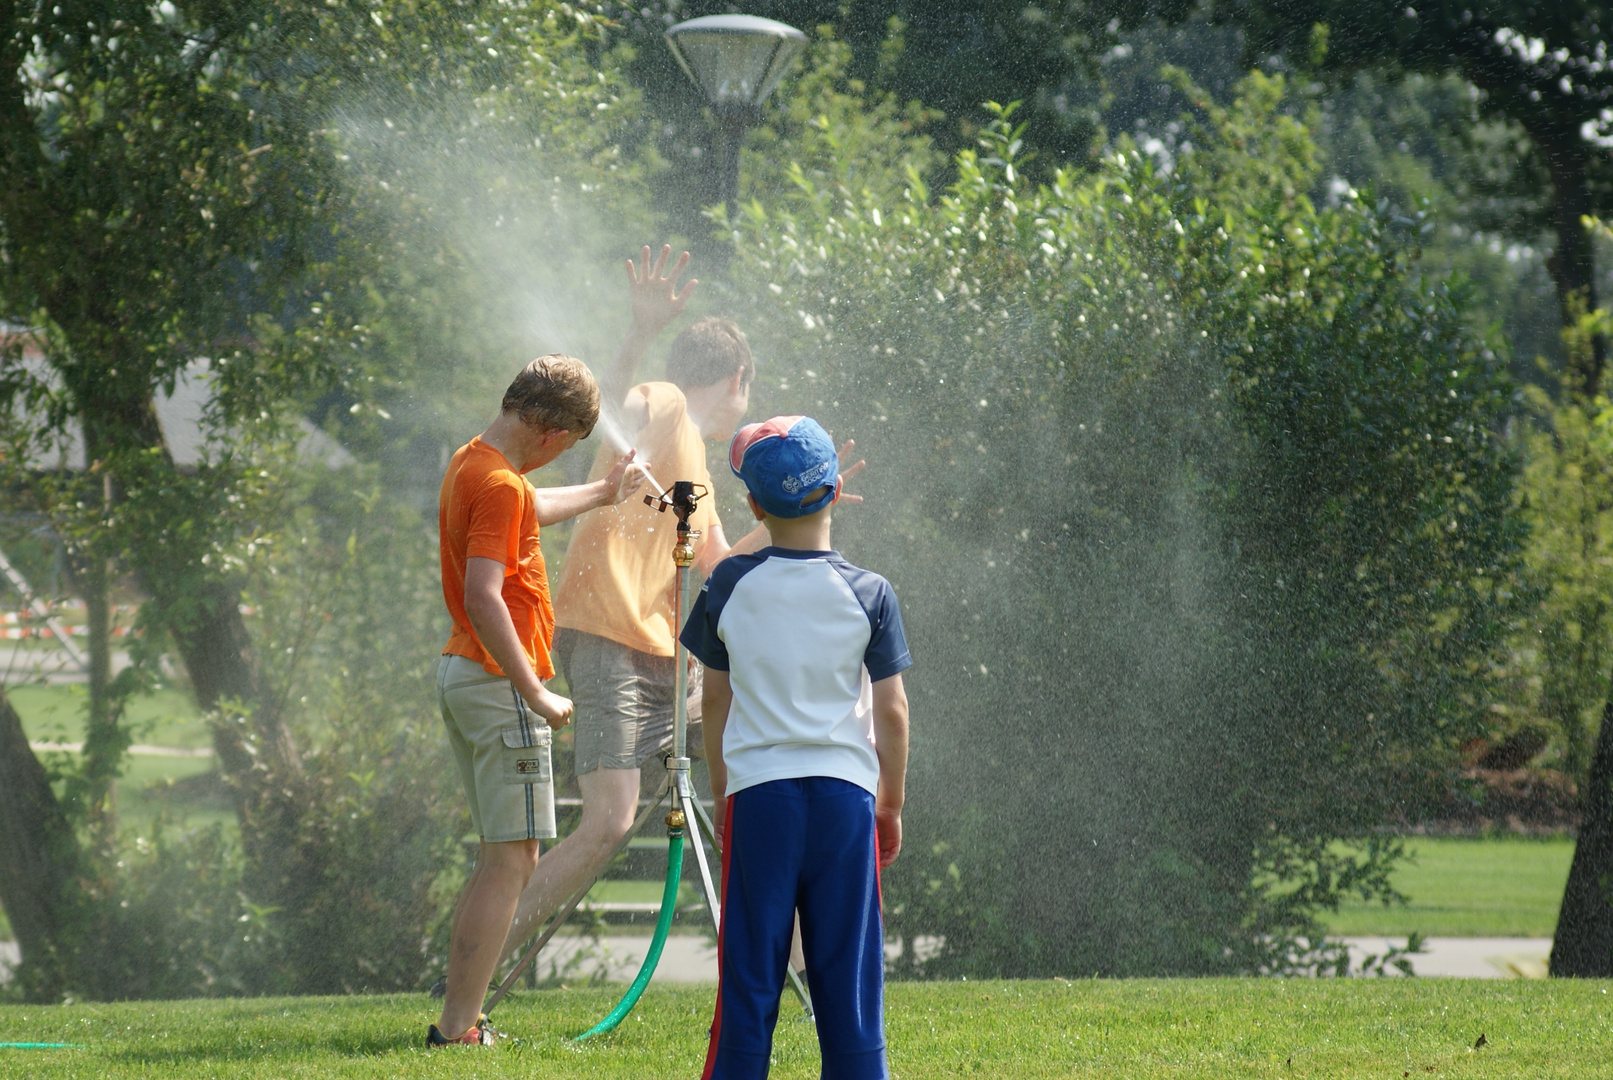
784,460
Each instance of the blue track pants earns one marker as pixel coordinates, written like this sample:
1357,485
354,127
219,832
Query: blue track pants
804,844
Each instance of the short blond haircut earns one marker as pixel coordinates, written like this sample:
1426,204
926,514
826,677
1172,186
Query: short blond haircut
555,393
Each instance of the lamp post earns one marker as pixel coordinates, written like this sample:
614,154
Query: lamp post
736,61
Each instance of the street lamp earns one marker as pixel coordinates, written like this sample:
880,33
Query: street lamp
736,60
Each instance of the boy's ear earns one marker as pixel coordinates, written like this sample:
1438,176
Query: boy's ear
755,507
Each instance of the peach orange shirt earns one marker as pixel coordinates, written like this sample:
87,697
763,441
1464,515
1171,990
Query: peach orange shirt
486,511
618,575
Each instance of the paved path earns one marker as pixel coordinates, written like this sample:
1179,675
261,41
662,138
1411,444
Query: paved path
1466,958
690,959
684,959
137,748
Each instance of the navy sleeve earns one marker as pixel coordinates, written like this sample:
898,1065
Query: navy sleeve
887,653
700,632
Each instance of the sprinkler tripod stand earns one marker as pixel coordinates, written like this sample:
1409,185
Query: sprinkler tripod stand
687,816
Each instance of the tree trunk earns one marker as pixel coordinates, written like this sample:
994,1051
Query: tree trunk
39,856
201,611
105,739
210,634
1573,264
253,744
1584,945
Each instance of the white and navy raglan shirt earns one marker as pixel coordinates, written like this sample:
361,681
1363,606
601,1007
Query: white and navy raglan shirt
803,635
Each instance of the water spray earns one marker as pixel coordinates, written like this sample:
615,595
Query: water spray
611,428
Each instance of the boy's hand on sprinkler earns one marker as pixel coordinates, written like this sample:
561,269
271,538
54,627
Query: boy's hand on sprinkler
847,471
626,477
654,293
555,710
888,827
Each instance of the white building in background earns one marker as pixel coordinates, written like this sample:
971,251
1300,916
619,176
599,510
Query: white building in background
179,415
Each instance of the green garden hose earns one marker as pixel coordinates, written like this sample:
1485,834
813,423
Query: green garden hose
669,902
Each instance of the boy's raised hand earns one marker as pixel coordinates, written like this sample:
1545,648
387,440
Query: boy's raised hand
847,452
655,296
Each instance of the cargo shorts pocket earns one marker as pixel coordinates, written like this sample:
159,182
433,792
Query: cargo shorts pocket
526,754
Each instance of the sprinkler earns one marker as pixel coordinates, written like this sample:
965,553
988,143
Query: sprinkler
686,810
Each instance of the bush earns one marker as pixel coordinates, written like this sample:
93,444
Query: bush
360,899
1192,494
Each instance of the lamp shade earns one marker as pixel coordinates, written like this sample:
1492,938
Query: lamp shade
736,60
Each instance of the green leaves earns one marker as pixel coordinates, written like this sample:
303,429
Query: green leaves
1204,478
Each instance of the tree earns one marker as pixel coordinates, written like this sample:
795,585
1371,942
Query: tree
1193,493
1573,518
176,191
1541,67
1537,65
39,858
142,177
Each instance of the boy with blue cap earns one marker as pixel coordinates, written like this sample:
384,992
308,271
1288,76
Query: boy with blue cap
806,741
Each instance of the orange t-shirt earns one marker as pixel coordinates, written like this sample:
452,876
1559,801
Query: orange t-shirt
486,511
617,580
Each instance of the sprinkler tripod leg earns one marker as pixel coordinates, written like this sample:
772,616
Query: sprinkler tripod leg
794,978
565,910
695,813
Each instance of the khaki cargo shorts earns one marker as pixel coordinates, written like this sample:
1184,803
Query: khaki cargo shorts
502,750
624,701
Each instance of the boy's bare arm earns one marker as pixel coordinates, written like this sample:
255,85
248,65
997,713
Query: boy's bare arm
656,301
715,697
890,743
490,618
556,504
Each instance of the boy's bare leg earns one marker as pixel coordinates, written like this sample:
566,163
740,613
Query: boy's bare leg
481,920
609,804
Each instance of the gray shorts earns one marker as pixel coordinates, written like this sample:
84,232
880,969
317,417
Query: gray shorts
502,750
624,702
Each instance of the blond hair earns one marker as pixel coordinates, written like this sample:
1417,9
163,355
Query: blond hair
555,393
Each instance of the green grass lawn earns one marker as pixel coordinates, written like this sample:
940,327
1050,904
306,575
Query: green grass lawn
165,718
1128,1029
56,714
1499,886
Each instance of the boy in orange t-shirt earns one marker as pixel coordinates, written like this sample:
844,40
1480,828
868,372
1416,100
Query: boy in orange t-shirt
490,680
